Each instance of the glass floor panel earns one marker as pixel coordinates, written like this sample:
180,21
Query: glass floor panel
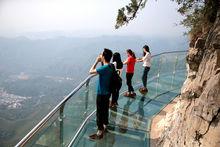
115,137
129,123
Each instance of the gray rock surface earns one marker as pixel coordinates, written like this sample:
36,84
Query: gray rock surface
196,120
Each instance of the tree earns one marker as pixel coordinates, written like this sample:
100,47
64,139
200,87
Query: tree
129,12
199,14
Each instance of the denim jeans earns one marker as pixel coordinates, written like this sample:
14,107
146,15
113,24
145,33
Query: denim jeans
144,77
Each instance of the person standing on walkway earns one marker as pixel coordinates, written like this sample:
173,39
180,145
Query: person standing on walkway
103,92
130,62
146,59
118,66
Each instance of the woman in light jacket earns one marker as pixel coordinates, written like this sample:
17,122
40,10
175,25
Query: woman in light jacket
146,59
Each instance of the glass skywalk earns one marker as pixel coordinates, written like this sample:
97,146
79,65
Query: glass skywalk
72,121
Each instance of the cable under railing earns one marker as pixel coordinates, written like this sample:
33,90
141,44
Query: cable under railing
60,107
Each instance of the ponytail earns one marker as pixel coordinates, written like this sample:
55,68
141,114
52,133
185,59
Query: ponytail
133,55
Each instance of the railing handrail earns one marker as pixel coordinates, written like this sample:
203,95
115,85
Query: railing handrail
27,137
169,53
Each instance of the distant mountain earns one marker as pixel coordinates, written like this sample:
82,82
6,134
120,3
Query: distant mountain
63,55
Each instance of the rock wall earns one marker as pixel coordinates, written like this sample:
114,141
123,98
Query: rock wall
195,121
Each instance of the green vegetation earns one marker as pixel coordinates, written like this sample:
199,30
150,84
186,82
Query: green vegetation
129,12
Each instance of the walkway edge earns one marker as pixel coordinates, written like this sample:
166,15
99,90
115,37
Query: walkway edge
155,131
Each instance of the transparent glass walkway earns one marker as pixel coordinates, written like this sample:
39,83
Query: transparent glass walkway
72,121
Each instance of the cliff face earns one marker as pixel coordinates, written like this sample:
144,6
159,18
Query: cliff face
195,121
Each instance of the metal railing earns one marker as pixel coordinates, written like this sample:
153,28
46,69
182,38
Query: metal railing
52,112
61,106
157,76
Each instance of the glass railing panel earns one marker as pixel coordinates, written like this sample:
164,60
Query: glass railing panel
61,127
155,66
77,109
181,64
167,71
49,135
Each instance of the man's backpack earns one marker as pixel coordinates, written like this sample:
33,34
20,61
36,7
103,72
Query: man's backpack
116,80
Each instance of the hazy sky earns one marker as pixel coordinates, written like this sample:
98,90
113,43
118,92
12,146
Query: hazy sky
20,17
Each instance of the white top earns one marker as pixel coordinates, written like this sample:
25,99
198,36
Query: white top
120,70
147,60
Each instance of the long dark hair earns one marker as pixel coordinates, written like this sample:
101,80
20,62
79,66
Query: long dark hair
146,48
130,52
117,59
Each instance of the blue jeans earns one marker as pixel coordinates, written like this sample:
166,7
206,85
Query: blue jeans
144,77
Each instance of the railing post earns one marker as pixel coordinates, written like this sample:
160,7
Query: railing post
174,71
86,96
61,124
158,74
87,82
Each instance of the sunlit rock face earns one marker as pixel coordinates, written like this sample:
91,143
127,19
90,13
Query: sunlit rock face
195,121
